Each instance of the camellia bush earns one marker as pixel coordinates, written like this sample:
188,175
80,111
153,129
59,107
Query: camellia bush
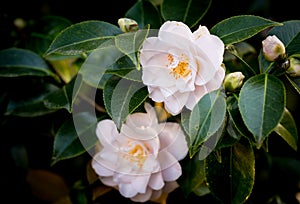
154,108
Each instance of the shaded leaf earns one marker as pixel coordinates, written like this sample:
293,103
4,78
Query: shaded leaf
144,13
287,129
232,179
16,62
76,136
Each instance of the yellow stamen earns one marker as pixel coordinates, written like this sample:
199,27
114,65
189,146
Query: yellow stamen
181,69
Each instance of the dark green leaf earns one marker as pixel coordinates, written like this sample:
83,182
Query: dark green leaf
76,136
261,103
232,179
16,62
82,37
289,34
189,12
62,98
239,28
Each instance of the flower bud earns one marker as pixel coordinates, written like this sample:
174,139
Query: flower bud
128,25
273,48
294,69
233,81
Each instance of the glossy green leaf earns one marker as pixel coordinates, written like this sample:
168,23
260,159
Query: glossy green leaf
144,13
261,103
100,60
130,43
204,120
239,28
122,97
130,74
189,12
82,37
16,62
68,141
295,82
287,129
289,34
232,179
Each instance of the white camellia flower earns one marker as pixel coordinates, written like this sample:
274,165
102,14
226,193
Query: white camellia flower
141,160
180,66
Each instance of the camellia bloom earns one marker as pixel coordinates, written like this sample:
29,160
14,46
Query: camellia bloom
180,66
272,48
141,160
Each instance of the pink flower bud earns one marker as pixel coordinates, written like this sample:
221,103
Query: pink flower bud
273,48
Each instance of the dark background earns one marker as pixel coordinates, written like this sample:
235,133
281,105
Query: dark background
12,178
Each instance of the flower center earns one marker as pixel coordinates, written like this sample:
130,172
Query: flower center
179,66
136,152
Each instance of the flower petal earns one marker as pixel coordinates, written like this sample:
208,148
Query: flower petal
156,181
127,190
172,139
176,102
142,197
172,173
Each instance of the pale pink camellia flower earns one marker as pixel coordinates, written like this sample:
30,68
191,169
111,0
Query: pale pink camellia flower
273,48
142,160
180,66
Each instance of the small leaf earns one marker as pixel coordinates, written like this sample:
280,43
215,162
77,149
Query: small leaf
130,43
144,13
16,62
232,180
287,129
74,137
122,97
189,12
239,28
261,103
82,37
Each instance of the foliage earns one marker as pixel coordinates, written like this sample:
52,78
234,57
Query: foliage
66,78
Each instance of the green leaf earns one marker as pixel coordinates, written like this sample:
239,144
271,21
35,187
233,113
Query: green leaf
122,97
71,141
295,82
82,37
62,98
193,175
48,27
189,12
289,34
144,13
232,179
130,43
32,103
16,62
287,129
94,67
239,28
261,103
205,119
130,74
